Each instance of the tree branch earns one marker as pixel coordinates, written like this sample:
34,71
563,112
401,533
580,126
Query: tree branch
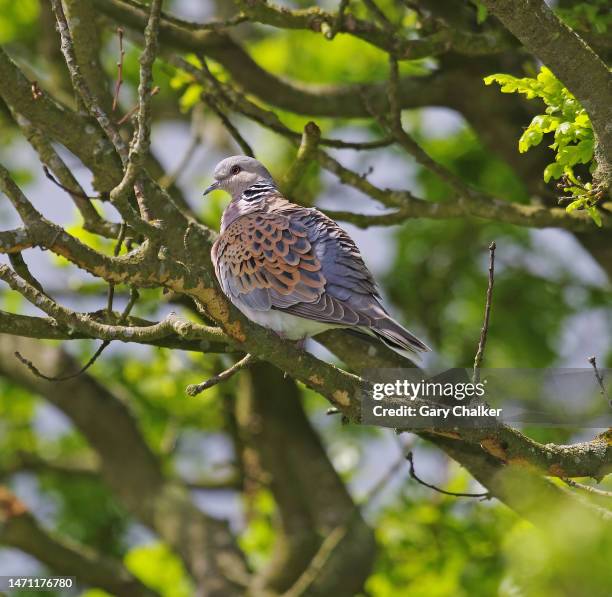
195,389
305,155
61,124
92,220
487,314
82,19
203,338
81,86
537,496
15,241
83,322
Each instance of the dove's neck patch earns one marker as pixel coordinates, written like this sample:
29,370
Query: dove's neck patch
252,199
258,191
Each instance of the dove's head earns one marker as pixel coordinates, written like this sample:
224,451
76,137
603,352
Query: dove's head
237,173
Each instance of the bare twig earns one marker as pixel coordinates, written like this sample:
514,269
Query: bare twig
141,140
142,135
600,379
134,109
379,486
379,15
23,206
55,378
587,488
331,32
126,312
66,180
195,389
168,180
57,183
410,458
21,267
134,296
116,251
409,145
487,314
119,68
210,101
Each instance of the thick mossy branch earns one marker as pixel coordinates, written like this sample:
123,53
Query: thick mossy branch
317,19
305,155
185,336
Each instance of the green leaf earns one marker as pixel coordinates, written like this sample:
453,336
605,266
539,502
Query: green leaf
544,123
574,205
568,155
582,119
564,116
529,138
554,171
585,151
594,213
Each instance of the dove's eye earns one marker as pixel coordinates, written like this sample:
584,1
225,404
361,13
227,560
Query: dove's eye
235,170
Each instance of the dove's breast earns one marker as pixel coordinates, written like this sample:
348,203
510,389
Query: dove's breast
286,325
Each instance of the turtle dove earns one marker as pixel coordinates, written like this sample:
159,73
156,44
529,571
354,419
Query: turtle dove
291,268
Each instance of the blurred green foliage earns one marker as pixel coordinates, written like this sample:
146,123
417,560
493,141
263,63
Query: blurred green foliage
310,57
18,21
437,546
594,16
159,569
442,287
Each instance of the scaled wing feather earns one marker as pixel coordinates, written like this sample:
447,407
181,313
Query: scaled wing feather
266,261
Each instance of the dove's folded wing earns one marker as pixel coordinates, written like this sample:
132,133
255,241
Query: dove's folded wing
266,261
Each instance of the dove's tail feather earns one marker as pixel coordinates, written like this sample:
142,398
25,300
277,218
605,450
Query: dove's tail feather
399,339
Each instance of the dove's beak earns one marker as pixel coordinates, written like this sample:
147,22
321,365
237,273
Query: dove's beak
212,187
